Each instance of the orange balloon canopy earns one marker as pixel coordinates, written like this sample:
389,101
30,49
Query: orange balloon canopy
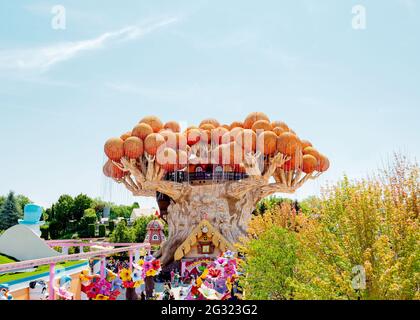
288,143
154,122
114,149
133,147
153,142
309,163
142,130
254,117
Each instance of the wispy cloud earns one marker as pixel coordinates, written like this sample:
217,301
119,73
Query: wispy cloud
163,94
409,4
43,58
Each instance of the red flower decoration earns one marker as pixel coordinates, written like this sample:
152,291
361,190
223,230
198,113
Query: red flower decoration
92,291
214,273
156,264
194,291
128,284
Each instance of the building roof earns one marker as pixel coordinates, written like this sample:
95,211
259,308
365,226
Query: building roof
155,224
142,212
217,238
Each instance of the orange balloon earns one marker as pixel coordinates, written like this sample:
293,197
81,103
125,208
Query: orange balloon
173,126
207,126
191,127
247,139
170,138
235,131
133,148
193,136
288,143
153,142
217,135
236,124
167,159
114,149
206,130
278,131
323,163
227,138
280,124
254,117
154,122
309,163
312,151
306,143
110,170
263,125
211,121
125,136
142,130
267,142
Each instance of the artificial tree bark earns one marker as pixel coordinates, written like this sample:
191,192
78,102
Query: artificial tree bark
228,205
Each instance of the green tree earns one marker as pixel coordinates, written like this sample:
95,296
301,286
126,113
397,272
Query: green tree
22,201
139,228
63,211
89,217
9,212
270,262
80,204
121,234
269,203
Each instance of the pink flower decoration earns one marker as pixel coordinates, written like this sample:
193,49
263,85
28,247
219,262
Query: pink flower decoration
147,266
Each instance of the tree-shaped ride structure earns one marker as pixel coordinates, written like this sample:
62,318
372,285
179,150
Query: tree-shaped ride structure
214,172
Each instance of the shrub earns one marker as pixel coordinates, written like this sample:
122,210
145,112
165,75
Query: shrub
89,217
269,265
121,233
91,230
44,231
111,226
102,231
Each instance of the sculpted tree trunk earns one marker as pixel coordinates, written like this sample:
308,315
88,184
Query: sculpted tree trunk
227,204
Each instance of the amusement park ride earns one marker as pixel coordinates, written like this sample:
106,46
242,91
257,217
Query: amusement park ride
208,179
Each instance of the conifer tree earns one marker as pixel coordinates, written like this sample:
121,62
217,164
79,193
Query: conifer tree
9,212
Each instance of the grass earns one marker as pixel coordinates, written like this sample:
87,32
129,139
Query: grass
9,277
6,259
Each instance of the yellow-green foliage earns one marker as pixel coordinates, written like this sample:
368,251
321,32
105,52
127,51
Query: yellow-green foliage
372,225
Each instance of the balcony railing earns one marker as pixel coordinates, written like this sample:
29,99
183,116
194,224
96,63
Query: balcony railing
182,176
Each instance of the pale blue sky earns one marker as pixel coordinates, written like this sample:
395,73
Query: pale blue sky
354,94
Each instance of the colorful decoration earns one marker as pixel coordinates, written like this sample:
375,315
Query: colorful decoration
63,291
217,280
38,290
4,292
100,289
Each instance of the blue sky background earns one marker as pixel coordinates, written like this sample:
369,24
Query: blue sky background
354,93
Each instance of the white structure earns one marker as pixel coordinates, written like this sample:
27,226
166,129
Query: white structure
142,212
21,243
